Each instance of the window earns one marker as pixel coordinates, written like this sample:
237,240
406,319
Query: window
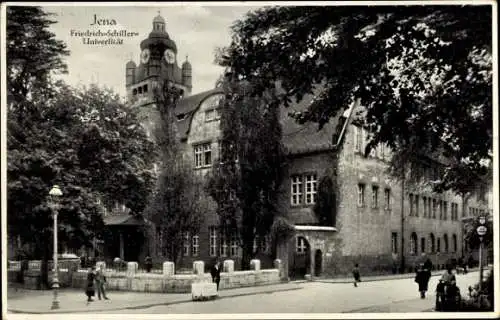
358,139
211,115
411,205
223,246
311,189
196,246
387,199
413,244
432,248
203,155
434,208
185,251
416,200
301,245
438,244
445,240
445,210
213,241
394,242
145,88
361,195
424,199
422,245
261,243
374,196
234,244
296,190
441,209
454,240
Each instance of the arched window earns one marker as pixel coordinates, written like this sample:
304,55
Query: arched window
454,239
438,249
140,90
432,243
134,92
445,240
413,243
422,245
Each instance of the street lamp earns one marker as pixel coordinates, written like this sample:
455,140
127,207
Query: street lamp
481,231
54,195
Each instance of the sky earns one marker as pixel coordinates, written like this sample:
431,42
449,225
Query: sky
197,30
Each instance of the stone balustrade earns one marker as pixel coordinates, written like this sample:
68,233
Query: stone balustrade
168,281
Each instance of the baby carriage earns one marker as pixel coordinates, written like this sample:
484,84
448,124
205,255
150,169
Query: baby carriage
448,296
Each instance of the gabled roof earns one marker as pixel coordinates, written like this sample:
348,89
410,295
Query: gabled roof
188,107
297,138
122,220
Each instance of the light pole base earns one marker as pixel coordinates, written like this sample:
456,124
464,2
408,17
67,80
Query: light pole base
55,305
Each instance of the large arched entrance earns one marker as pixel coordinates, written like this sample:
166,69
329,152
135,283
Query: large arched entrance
318,263
300,258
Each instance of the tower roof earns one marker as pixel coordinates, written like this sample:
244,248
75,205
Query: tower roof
186,65
131,64
159,19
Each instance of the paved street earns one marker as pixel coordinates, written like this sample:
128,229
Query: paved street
320,297
397,295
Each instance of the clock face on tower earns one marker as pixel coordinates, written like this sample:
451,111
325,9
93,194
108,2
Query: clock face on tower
169,56
145,55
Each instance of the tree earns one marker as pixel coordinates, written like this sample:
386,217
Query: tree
325,207
247,180
177,206
33,53
422,73
92,147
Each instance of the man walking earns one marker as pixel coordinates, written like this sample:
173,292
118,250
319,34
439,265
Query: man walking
215,272
100,279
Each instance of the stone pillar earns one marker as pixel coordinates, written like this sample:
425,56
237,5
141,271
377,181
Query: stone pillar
255,264
168,269
282,254
199,268
98,265
132,268
228,266
278,265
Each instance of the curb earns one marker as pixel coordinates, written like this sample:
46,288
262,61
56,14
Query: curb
179,301
382,278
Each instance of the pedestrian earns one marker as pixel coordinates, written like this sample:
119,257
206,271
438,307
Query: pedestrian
148,262
90,289
422,279
215,272
100,280
356,275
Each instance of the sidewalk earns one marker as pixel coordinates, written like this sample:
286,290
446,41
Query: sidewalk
74,301
382,277
412,305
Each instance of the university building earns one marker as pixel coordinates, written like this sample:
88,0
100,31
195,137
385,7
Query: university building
376,223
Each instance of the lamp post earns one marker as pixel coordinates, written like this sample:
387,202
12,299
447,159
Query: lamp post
54,194
481,231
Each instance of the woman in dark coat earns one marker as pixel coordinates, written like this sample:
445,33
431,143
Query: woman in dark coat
422,279
90,289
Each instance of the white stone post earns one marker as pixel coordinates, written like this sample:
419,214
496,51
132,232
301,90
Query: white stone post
98,265
255,264
228,266
168,269
278,265
199,268
132,268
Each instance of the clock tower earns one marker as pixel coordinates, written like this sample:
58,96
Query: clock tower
158,63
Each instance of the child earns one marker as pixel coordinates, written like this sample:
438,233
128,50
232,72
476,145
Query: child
355,273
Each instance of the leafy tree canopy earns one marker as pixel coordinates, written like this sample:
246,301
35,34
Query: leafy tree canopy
89,144
422,73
